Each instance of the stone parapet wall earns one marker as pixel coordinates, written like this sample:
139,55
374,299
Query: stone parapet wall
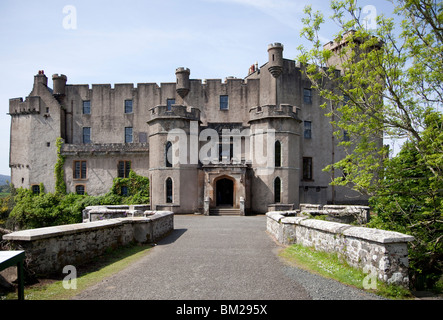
49,250
379,252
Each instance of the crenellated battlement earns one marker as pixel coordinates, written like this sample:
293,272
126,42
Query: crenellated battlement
273,111
31,105
175,111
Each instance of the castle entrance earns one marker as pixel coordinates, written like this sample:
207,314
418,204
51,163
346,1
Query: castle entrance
225,192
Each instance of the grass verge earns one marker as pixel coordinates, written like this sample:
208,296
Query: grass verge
111,262
330,265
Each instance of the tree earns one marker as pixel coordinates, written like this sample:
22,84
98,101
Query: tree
386,83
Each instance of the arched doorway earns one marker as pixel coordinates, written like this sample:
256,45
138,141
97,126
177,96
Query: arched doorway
225,192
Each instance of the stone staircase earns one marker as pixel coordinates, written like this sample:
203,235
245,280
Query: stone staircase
224,212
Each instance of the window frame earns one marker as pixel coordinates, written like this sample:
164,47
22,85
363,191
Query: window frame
82,186
307,129
308,170
82,173
88,140
224,105
131,135
307,98
125,170
277,190
88,107
169,190
127,111
277,154
169,103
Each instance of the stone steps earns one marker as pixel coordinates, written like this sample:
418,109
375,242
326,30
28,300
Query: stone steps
224,212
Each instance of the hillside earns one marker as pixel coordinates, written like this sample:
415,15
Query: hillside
4,179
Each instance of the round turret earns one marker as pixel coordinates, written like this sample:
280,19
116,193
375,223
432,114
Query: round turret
59,84
183,84
275,63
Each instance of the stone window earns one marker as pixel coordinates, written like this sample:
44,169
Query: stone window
169,103
169,190
128,135
308,130
86,107
123,168
168,155
80,189
224,102
307,96
277,155
35,189
346,136
80,169
277,190
128,106
307,169
87,135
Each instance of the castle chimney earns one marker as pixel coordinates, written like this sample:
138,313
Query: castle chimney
40,78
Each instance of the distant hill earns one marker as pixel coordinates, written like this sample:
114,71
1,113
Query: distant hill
4,179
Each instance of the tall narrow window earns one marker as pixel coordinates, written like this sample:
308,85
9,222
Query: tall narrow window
169,103
169,190
307,96
128,135
168,154
87,135
277,154
224,102
123,168
307,168
308,129
128,106
86,107
80,168
277,190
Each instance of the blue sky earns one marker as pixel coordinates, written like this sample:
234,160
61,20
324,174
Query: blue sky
143,41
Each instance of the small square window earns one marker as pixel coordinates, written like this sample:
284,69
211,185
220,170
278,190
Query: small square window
169,103
128,106
35,189
80,189
87,107
224,103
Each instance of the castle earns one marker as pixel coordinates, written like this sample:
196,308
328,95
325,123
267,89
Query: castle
198,141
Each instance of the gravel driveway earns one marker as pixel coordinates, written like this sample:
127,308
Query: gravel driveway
218,258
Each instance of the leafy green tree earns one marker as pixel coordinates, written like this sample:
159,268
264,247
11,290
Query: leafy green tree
386,82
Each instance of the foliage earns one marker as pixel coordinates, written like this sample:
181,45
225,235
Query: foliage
60,185
50,209
410,201
386,83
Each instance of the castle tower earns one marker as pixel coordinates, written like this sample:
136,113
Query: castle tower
275,181
173,134
275,63
59,86
183,84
